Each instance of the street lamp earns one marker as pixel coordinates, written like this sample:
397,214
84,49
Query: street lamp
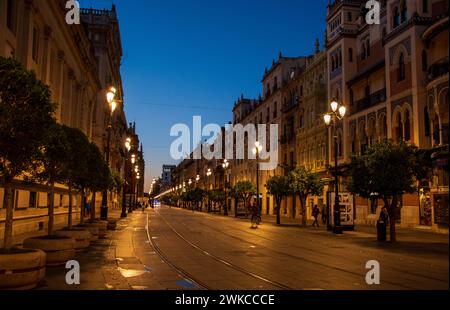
208,174
337,114
256,151
225,165
124,194
110,95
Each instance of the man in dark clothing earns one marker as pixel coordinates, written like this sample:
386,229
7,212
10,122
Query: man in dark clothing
382,224
315,214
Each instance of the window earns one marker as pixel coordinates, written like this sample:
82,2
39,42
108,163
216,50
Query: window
275,110
399,127
351,97
403,12
33,200
35,50
425,6
367,91
401,68
10,16
349,16
427,122
407,126
350,55
396,21
424,60
436,131
302,121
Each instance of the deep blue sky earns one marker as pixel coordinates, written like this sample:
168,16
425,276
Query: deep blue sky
186,58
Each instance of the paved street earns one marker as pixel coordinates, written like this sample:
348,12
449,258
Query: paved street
179,249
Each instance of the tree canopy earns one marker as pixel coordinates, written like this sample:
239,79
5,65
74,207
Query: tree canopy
304,183
278,187
26,115
388,170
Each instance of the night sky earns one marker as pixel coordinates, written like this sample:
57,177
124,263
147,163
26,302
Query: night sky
186,58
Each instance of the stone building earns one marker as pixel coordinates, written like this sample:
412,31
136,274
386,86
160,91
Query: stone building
264,110
70,60
393,79
304,138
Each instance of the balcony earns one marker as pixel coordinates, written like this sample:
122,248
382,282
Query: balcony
439,68
365,103
289,106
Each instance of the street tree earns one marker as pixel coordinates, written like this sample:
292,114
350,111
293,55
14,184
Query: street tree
278,187
245,190
99,175
388,170
51,165
25,118
76,168
304,183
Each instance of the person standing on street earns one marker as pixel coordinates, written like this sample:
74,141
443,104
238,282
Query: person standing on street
315,214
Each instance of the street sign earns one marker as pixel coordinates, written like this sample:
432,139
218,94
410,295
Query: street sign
347,208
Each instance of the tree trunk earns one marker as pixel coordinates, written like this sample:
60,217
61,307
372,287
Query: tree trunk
51,209
83,206
303,204
236,202
278,212
226,207
392,219
69,217
93,206
7,202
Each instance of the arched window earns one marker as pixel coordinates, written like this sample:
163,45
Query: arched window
425,6
401,68
399,128
407,126
424,60
383,127
436,131
427,122
403,12
396,15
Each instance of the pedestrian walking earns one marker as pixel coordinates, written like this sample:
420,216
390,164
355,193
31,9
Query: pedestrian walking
315,214
382,224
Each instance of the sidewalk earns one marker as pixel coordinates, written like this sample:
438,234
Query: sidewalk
417,236
18,239
124,260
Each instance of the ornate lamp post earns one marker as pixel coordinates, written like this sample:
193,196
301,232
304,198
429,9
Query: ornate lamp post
110,95
197,179
124,195
336,115
256,151
225,166
208,174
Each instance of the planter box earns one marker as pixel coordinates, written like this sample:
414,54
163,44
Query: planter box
21,269
59,250
92,229
82,237
102,227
